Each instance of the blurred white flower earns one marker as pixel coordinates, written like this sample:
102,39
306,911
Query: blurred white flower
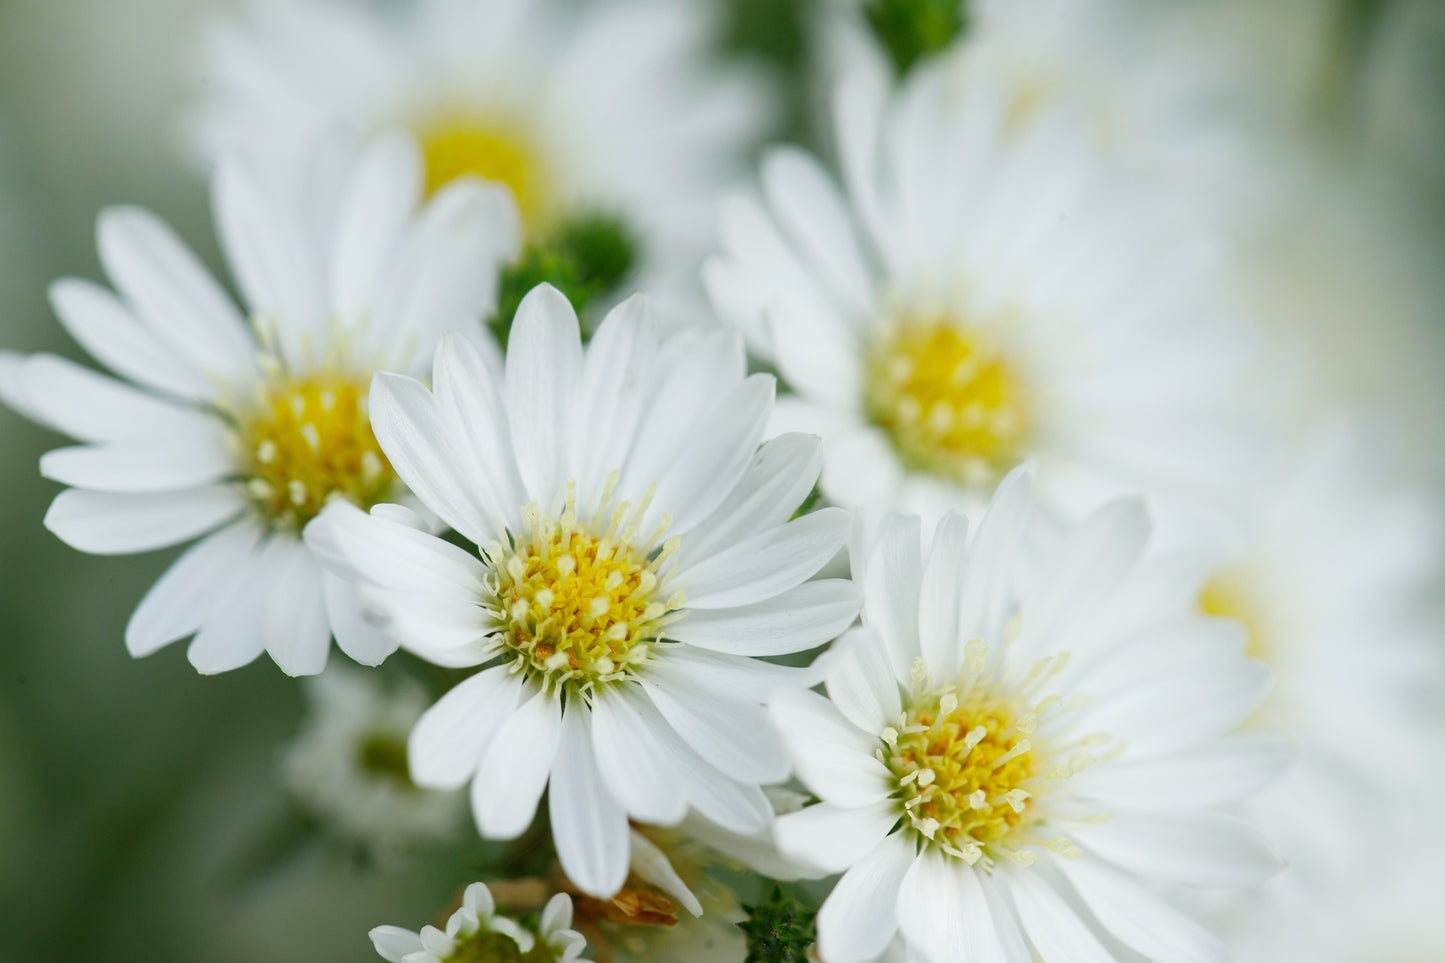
475,932
614,106
982,294
1328,569
636,552
1010,760
240,426
348,764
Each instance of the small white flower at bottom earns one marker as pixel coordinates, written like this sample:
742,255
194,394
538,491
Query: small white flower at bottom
476,934
1016,748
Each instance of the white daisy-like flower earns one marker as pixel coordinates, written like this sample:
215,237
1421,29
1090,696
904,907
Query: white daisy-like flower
239,424
1012,755
636,548
348,763
476,934
1329,569
615,106
982,295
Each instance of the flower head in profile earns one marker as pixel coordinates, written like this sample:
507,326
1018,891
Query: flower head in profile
239,423
348,767
615,107
1018,746
475,933
980,294
635,549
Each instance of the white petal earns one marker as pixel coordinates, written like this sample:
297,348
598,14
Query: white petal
140,466
446,744
110,333
379,201
833,757
859,917
92,407
184,596
394,943
1138,918
651,864
469,396
1203,849
891,582
616,382
172,292
781,475
861,683
713,456
233,633
298,635
361,640
832,838
942,909
274,263
1195,705
544,367
1228,770
427,455
798,619
767,564
733,678
1054,929
514,766
588,824
633,765
938,634
107,523
395,556
982,606
733,736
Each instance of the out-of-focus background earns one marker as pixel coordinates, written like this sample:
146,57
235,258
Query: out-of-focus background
130,791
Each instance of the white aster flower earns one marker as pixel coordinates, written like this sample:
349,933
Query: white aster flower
981,295
1328,569
238,424
1012,756
615,106
476,934
348,763
635,550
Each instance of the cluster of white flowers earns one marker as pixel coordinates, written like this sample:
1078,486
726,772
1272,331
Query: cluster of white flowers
1003,481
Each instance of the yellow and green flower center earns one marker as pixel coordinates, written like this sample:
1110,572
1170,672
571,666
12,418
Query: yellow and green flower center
306,440
951,402
581,600
961,766
496,148
382,757
489,946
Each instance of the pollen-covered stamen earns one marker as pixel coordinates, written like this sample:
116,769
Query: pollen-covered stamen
305,439
950,400
974,759
583,600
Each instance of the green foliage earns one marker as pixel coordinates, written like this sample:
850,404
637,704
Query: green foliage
912,30
585,258
780,928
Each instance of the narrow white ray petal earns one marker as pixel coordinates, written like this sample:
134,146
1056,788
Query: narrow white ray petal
544,367
800,618
766,564
1139,919
469,396
736,677
891,581
233,634
617,380
1052,925
859,918
1226,770
140,466
734,736
588,824
1200,849
92,407
860,681
938,635
445,747
514,767
297,633
651,864
109,523
378,203
394,943
633,764
832,838
833,757
359,638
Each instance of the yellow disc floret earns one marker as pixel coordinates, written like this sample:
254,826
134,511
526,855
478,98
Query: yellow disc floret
968,765
948,398
581,600
494,147
306,440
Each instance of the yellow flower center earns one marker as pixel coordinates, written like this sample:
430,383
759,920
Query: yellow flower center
949,399
308,439
581,600
1229,594
968,768
494,147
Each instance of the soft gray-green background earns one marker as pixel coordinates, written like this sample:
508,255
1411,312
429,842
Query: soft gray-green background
127,789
